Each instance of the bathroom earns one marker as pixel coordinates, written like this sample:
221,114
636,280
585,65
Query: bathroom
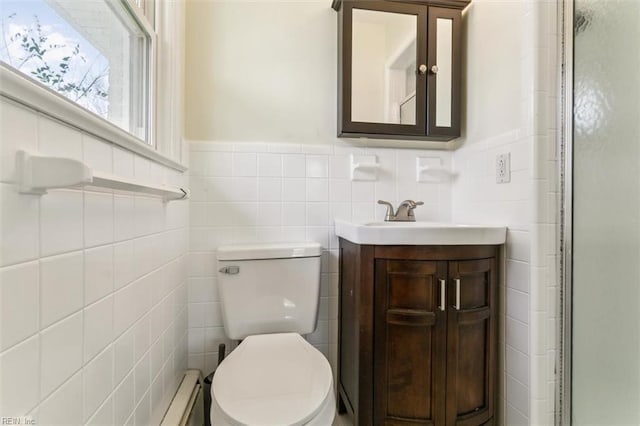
222,127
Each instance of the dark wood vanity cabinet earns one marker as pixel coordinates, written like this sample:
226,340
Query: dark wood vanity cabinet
399,68
417,334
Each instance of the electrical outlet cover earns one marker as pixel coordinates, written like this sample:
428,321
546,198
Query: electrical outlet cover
503,168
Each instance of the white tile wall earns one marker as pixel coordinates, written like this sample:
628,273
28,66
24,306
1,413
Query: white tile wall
520,122
98,273
20,377
250,192
19,303
19,224
62,408
61,287
477,198
98,219
287,192
60,353
98,326
99,370
93,289
61,222
545,248
100,278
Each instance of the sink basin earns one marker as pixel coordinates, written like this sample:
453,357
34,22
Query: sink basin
420,233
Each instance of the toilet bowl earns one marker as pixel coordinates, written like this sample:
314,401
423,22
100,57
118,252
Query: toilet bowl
269,295
273,380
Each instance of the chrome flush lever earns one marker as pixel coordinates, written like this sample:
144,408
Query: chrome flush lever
231,270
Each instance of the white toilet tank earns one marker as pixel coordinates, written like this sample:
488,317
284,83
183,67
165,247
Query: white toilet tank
269,288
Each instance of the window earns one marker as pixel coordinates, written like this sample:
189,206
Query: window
97,54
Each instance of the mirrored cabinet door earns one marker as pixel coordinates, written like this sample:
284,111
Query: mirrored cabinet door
443,86
385,71
399,69
383,67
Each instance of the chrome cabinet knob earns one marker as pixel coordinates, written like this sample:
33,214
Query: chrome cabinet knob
434,69
422,69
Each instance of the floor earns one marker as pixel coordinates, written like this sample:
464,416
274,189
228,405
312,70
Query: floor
342,420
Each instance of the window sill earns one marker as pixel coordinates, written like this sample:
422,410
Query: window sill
39,98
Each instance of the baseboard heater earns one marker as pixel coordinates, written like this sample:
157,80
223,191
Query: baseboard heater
187,406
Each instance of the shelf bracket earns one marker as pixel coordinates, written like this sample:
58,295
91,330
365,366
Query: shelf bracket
364,167
37,174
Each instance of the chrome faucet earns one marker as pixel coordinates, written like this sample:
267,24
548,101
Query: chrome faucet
390,215
404,213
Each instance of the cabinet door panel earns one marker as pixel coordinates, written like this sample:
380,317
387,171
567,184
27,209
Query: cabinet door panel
407,373
355,332
472,375
471,331
475,293
383,45
348,324
409,343
409,291
443,85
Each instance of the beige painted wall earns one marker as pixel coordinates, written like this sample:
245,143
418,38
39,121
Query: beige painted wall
261,71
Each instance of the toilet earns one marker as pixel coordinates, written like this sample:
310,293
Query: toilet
269,296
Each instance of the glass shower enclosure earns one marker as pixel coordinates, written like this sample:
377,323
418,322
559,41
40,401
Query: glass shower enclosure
602,171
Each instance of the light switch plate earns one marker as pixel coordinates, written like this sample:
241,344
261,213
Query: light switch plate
503,168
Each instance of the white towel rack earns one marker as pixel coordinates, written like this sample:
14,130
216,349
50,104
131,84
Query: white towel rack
38,173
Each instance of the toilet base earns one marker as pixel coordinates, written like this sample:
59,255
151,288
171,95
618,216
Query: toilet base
323,418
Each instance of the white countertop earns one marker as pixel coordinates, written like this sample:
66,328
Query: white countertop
420,233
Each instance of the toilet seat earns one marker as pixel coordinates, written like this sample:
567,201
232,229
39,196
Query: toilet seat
272,379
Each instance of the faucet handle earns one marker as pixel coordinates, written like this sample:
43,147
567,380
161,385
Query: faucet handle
390,214
411,204
405,210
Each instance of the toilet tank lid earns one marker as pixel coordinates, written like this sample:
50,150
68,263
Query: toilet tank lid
269,251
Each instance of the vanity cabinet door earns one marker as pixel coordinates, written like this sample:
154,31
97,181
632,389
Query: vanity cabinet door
410,343
471,337
443,85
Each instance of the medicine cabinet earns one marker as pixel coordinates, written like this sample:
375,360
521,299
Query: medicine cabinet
399,69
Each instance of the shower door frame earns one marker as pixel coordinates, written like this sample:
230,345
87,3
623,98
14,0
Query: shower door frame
565,140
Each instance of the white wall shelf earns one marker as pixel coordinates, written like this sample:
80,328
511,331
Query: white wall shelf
431,170
37,174
364,167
